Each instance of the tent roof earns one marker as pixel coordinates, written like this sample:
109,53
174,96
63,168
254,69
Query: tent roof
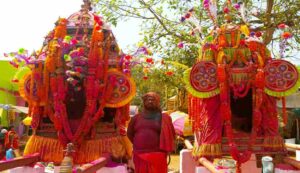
21,109
292,101
172,98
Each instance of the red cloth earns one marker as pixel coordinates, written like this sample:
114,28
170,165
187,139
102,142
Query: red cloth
269,123
167,134
151,135
144,134
11,140
154,162
210,131
152,140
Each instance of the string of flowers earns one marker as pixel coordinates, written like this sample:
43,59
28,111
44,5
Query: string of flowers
285,36
225,109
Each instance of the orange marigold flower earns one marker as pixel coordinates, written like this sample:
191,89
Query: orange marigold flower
169,73
286,35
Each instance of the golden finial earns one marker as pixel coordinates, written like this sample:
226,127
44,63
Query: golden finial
86,7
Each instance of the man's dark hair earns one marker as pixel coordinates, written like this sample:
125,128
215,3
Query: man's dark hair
11,127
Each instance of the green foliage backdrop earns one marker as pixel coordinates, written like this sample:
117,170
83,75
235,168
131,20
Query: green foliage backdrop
162,30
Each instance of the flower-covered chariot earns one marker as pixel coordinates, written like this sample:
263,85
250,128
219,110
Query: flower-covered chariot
234,87
77,91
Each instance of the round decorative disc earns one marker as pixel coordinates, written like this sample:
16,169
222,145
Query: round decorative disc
280,75
203,76
24,90
123,91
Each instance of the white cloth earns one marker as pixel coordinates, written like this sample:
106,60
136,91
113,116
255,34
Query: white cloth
187,163
277,170
118,169
26,169
201,169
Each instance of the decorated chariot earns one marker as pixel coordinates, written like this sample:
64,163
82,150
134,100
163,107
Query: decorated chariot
77,92
234,87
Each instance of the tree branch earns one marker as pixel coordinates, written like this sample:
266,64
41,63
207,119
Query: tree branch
130,13
270,29
159,20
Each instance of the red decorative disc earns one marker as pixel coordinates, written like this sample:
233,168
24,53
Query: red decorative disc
24,90
280,75
123,91
203,76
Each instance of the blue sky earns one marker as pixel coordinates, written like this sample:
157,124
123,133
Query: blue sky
24,23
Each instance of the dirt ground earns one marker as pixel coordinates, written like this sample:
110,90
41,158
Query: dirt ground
174,163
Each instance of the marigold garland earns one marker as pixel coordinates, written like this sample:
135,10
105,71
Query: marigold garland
51,149
49,87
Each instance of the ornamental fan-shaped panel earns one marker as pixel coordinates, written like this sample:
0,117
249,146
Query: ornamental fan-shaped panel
29,89
123,89
201,80
203,76
281,78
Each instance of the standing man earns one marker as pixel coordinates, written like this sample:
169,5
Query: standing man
152,135
11,139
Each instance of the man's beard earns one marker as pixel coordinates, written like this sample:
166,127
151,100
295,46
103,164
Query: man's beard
152,108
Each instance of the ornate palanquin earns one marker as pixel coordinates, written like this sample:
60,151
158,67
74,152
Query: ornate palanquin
77,91
234,86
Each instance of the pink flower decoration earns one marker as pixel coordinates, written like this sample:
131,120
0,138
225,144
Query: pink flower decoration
206,6
214,47
127,63
237,6
126,71
149,60
187,15
128,57
282,26
74,41
226,10
258,34
180,45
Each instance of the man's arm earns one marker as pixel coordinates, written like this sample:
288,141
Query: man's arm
167,135
169,121
130,129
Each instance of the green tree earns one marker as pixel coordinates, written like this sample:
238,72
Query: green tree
163,29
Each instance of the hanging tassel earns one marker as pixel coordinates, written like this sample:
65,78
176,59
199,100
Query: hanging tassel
238,167
284,115
61,28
